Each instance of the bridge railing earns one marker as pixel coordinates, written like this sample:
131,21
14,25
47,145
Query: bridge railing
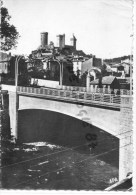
97,90
73,88
73,95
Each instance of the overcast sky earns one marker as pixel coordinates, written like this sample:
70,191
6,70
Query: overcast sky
102,27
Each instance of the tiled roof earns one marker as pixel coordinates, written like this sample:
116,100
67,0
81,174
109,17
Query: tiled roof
107,80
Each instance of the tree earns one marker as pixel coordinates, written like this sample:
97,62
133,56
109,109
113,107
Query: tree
9,34
83,79
24,79
22,66
104,70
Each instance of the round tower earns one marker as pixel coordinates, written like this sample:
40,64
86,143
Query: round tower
73,41
61,41
44,39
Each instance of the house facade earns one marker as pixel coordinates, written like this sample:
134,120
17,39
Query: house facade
108,82
4,62
123,68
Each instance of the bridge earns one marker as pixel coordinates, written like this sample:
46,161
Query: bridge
109,112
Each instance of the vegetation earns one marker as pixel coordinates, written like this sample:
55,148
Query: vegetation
104,70
9,33
23,76
83,79
117,60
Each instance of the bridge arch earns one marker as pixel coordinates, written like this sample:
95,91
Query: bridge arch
59,129
101,118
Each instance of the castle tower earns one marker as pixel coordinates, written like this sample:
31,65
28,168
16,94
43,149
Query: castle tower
44,39
73,41
61,41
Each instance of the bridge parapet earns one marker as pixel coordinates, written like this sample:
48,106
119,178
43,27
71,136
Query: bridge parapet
111,100
126,117
97,90
78,89
127,101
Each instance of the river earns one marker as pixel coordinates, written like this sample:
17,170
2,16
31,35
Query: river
58,152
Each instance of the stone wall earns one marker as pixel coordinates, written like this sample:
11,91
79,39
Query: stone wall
126,137
126,117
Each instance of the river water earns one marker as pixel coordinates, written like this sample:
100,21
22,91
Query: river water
56,151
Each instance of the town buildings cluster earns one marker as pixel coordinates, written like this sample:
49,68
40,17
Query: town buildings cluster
50,62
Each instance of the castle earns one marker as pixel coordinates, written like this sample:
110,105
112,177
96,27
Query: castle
48,49
60,41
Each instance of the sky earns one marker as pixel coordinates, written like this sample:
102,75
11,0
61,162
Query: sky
102,27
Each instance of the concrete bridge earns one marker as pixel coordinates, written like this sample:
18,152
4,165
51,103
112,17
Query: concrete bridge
111,113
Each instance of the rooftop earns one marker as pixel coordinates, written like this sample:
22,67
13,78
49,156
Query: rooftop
107,80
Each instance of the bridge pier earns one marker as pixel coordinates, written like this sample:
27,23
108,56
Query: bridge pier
13,113
126,137
125,158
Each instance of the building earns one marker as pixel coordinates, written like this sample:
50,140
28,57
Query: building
61,42
126,66
118,70
109,71
124,83
109,82
47,53
91,63
77,64
48,50
97,62
7,68
4,62
123,68
87,66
